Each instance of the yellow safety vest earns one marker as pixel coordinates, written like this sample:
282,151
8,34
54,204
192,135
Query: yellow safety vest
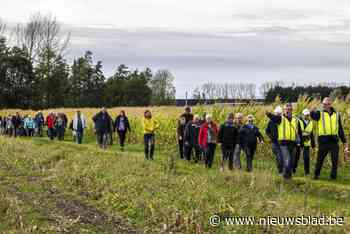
288,130
328,124
307,131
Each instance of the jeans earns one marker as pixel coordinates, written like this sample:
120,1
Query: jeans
306,156
237,157
323,150
209,154
227,155
102,138
249,152
276,150
288,154
149,141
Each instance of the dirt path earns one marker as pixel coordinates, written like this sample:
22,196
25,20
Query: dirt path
66,214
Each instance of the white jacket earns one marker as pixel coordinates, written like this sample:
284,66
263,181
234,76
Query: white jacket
75,121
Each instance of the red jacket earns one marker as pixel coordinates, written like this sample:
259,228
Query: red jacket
50,121
203,134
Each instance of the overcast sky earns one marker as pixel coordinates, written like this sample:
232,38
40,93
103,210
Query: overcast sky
202,40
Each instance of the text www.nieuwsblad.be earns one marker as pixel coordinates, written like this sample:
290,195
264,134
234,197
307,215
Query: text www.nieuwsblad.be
217,220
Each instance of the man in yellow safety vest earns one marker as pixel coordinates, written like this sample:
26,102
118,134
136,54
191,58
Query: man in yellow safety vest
329,130
289,137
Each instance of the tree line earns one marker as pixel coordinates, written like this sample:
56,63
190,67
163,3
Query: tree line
35,74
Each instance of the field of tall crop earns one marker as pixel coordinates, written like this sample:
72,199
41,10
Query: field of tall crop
61,187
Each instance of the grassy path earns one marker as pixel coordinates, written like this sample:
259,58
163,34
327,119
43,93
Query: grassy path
60,187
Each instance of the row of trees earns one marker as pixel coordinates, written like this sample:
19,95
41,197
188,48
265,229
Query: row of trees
212,90
292,93
34,73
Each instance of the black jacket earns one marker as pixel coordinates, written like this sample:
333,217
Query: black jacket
126,122
16,121
249,135
272,131
228,134
191,133
103,122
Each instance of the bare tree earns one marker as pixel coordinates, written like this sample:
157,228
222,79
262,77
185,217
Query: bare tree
41,33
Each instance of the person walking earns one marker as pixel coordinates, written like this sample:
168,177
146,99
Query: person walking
150,125
39,123
2,126
307,127
208,135
329,131
16,123
191,135
272,132
78,126
122,126
289,137
50,123
180,135
227,137
29,126
102,122
9,126
60,125
238,149
249,135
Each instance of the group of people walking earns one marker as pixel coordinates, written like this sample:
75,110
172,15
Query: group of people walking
16,125
198,136
290,135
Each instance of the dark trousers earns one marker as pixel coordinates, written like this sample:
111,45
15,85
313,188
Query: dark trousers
181,148
296,158
288,153
276,150
209,154
60,133
306,156
102,138
39,131
30,132
323,151
249,152
51,133
227,155
149,141
79,136
122,136
188,151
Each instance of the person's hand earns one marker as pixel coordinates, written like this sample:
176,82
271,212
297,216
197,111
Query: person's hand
180,137
261,142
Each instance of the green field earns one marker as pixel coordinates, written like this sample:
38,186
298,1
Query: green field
61,187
